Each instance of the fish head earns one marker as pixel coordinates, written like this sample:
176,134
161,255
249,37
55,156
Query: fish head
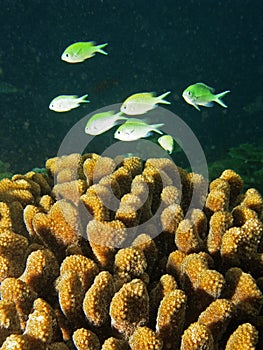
129,108
95,128
188,96
91,130
56,106
127,133
71,57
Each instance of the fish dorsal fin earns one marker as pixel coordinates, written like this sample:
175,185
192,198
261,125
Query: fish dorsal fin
206,86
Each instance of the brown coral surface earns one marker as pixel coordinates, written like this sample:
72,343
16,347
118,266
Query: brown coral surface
105,254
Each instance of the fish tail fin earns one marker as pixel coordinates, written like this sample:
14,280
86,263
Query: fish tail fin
83,99
160,99
156,128
100,47
219,96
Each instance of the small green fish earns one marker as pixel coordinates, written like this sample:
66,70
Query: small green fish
167,143
101,122
65,103
80,51
142,102
134,129
200,94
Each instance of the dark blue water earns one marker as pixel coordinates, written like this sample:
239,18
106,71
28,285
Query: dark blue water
153,46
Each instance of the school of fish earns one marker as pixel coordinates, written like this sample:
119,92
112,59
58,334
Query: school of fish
130,128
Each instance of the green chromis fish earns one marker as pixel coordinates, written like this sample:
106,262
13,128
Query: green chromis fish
101,122
80,51
142,102
200,94
65,103
167,143
134,129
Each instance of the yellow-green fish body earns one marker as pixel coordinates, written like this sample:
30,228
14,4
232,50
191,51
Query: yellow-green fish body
200,94
65,103
80,51
134,129
142,103
101,122
167,143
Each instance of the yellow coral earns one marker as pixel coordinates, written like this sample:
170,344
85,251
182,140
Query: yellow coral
115,344
217,316
235,182
21,294
5,216
70,190
217,200
241,243
39,326
85,339
85,268
130,263
171,195
171,218
220,221
147,245
97,299
66,168
144,338
70,296
21,342
9,320
129,307
103,166
187,238
243,291
44,238
171,317
241,214
197,336
12,253
174,263
245,337
41,269
104,237
124,179
60,227
253,200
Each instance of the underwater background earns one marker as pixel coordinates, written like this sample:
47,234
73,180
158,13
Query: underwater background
153,46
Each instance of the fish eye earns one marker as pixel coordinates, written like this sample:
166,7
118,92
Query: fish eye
189,93
124,107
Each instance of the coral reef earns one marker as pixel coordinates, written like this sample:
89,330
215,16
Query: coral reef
105,254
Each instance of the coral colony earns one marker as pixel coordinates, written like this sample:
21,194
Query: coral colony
65,284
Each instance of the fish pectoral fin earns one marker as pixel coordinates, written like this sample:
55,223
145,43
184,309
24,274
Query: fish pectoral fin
196,107
129,132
